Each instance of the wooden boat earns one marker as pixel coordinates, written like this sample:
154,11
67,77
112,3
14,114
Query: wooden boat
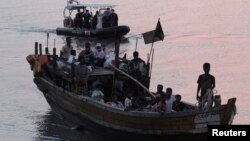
56,85
70,28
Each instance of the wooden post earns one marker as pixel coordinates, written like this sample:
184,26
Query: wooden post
46,50
117,49
54,49
47,39
136,43
36,48
40,49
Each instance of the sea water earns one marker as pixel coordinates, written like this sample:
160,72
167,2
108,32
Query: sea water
214,31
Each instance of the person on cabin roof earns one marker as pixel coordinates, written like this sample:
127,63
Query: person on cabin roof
205,81
87,54
66,49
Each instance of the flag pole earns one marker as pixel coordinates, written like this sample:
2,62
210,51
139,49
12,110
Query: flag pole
47,39
152,45
151,67
136,43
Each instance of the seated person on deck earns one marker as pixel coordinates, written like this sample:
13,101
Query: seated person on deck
99,56
87,54
71,58
178,105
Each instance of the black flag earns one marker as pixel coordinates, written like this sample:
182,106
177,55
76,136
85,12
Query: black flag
154,35
158,31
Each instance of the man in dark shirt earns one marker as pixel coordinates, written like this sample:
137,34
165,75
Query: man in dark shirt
136,70
94,20
177,104
113,18
78,19
205,81
136,66
87,54
86,19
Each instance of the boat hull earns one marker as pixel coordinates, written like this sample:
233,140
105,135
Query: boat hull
93,115
110,32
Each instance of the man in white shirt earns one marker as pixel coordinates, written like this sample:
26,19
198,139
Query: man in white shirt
66,49
99,55
170,100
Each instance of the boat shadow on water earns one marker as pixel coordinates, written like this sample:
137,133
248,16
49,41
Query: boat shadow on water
50,126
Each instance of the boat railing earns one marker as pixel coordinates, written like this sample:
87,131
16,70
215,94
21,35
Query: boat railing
207,100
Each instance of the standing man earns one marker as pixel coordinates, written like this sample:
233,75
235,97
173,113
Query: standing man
81,76
136,67
66,49
113,18
205,81
136,70
86,19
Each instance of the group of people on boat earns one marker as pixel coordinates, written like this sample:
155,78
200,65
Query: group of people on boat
167,101
95,58
126,93
85,19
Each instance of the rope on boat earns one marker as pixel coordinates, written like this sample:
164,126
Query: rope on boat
140,84
207,100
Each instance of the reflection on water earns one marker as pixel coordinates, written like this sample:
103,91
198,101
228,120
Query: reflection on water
51,127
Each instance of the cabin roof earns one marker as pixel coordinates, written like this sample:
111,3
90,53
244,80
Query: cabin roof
96,6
